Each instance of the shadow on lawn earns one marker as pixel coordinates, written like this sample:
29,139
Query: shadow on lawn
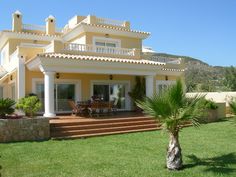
219,164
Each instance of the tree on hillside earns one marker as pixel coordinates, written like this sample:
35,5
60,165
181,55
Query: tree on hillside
172,109
230,78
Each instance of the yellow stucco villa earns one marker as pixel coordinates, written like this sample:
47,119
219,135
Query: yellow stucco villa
88,56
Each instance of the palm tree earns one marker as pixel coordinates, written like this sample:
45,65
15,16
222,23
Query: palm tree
172,109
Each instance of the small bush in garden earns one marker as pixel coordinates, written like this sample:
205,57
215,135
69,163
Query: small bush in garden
207,104
232,105
6,107
30,105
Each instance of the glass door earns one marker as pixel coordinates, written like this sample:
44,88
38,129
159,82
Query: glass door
111,92
117,94
62,93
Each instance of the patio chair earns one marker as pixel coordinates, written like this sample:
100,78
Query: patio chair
94,108
75,109
114,106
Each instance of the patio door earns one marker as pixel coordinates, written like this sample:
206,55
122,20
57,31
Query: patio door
62,92
116,92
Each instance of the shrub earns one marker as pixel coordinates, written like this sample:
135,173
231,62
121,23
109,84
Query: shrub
30,105
138,92
232,105
208,104
6,107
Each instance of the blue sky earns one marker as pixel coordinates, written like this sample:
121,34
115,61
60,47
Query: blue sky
204,29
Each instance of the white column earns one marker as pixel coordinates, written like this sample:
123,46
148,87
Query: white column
149,85
49,94
20,78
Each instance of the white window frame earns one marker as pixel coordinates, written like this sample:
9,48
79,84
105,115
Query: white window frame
163,82
108,82
107,40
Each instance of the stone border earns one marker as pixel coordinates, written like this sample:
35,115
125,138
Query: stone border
25,129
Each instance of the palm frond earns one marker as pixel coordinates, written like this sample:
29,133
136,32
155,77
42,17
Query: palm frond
172,108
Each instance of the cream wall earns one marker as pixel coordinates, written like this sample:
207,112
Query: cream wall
84,78
126,42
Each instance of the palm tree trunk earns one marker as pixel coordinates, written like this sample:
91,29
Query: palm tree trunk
174,155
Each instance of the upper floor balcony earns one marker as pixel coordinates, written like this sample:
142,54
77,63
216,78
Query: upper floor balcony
99,49
90,19
94,50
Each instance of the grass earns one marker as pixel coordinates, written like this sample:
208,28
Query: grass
207,151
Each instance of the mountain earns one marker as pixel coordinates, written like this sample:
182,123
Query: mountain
199,75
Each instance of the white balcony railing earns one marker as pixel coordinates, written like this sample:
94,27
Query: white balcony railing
38,28
34,27
99,49
165,60
109,21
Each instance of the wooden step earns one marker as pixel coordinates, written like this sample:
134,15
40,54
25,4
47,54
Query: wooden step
72,122
104,125
102,130
104,133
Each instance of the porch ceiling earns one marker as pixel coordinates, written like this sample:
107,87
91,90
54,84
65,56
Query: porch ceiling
93,64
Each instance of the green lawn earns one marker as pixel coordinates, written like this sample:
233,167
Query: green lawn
207,151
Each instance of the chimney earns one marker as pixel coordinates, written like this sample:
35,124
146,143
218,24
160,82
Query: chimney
17,21
50,25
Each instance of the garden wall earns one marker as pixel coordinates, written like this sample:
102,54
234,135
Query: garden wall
24,129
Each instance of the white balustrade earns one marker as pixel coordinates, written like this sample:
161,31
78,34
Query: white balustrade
98,49
34,27
110,21
165,60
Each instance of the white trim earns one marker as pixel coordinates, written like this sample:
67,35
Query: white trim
108,82
103,39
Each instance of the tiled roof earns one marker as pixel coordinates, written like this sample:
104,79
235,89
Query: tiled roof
38,34
99,58
116,28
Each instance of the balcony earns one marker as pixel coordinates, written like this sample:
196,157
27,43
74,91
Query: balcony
165,60
85,48
32,27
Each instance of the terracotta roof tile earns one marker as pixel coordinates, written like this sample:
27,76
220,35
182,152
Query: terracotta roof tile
116,28
99,58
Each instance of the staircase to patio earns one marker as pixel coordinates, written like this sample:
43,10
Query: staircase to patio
71,128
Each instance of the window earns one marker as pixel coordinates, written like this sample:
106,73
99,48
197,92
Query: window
161,85
62,92
106,44
111,92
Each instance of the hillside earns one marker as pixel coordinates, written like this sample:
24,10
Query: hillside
199,75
